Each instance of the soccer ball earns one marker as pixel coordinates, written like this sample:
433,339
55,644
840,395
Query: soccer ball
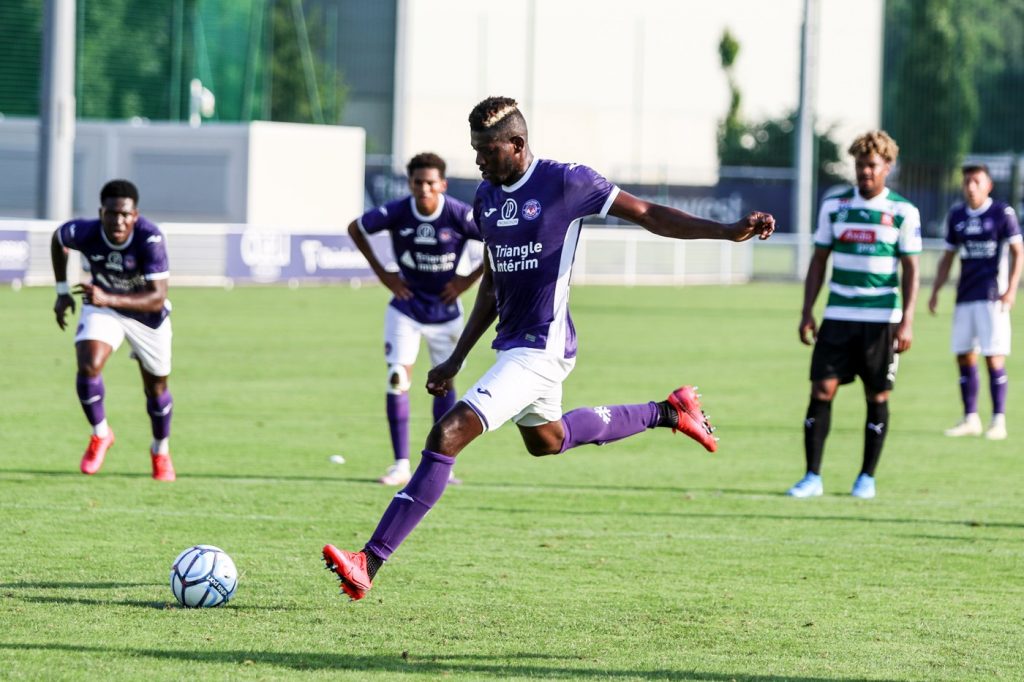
202,576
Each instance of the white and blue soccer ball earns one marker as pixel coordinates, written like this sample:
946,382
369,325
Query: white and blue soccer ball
203,576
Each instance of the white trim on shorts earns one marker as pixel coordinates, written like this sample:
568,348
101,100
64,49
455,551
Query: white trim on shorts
980,326
151,347
523,385
402,338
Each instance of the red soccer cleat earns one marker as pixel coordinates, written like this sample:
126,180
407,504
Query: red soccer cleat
692,420
163,467
350,567
93,457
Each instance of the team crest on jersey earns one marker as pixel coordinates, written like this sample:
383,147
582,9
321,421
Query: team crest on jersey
508,213
114,261
425,234
444,234
858,236
129,262
886,219
531,209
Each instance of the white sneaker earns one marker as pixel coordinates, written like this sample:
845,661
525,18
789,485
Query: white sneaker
864,487
397,474
808,486
997,429
970,425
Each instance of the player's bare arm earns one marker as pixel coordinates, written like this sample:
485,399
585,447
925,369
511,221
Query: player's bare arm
1009,297
812,287
485,311
941,275
675,224
909,284
59,260
392,280
459,284
151,300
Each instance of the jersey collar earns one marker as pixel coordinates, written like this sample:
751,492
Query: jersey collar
884,194
523,180
112,245
427,218
975,212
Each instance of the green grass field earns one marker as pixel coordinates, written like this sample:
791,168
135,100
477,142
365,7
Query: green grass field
644,559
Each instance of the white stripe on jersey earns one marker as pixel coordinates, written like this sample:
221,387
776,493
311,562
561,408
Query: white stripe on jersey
877,265
558,332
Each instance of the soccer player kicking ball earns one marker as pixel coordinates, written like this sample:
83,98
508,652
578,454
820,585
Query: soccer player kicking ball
530,212
428,233
127,298
981,230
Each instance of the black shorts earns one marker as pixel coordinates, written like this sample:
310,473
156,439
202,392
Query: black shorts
845,350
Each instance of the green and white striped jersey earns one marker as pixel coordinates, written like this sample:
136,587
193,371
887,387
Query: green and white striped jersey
867,238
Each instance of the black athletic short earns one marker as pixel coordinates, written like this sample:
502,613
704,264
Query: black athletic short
846,350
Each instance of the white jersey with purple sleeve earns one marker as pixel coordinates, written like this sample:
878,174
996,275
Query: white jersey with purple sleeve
980,237
122,268
530,231
427,248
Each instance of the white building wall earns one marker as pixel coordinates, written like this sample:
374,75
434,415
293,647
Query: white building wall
635,89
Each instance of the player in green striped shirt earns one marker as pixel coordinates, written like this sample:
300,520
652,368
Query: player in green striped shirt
874,236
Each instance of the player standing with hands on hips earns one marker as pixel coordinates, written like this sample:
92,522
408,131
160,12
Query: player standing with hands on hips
874,233
127,298
981,231
530,212
428,233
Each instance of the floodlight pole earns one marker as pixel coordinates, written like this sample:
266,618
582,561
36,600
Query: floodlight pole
57,112
803,189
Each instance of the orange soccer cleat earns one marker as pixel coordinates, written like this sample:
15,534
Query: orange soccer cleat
93,457
163,467
692,420
350,567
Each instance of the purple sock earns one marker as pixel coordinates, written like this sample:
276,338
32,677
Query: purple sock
969,388
443,403
398,423
602,424
998,384
160,408
411,504
90,393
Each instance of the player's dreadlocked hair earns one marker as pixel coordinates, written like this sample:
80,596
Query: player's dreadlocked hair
875,142
120,189
426,160
498,115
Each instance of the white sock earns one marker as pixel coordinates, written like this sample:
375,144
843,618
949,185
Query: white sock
161,446
102,429
402,465
998,419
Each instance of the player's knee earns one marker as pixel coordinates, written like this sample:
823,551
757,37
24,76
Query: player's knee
542,449
454,431
398,379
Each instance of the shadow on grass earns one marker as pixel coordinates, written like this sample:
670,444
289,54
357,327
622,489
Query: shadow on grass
527,665
10,591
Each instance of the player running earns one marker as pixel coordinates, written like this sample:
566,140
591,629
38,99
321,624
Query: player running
982,231
428,233
530,212
127,298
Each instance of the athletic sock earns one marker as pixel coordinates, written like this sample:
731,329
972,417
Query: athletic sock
667,415
875,427
160,408
443,403
160,446
816,426
398,423
90,394
411,504
999,383
373,563
969,388
600,425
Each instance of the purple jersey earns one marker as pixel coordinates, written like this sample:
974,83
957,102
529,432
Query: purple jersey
531,229
980,236
427,249
121,268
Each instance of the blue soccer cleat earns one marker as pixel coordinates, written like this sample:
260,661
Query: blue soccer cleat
864,487
808,486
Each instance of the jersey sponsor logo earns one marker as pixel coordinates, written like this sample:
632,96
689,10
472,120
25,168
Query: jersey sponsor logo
531,209
406,231
516,258
973,226
508,213
853,235
114,261
425,234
